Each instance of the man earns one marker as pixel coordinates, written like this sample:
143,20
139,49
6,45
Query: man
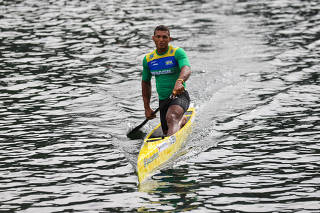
171,68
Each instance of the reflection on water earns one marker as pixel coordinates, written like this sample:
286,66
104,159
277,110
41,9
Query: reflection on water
70,82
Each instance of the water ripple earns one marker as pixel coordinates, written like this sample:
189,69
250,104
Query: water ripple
70,82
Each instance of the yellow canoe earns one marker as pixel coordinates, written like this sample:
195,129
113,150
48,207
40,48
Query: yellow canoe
156,150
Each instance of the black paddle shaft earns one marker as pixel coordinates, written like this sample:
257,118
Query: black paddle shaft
143,123
133,131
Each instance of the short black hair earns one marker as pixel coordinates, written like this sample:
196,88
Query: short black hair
161,28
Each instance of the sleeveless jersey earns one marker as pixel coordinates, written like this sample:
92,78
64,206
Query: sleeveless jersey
166,68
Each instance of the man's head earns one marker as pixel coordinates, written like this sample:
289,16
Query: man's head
161,28
161,38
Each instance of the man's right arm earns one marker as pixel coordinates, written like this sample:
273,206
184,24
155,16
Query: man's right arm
146,90
146,96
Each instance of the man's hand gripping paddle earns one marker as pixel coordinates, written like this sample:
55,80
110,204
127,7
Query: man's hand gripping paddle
135,133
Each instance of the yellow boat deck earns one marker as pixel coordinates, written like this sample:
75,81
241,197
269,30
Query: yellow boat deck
156,150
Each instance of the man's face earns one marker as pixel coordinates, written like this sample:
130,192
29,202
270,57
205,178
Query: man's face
161,39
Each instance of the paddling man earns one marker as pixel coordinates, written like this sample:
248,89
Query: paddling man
171,68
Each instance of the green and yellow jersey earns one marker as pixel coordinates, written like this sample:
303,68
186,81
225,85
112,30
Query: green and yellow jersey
166,68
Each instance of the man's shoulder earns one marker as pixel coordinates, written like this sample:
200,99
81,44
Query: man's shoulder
180,53
149,56
173,50
179,50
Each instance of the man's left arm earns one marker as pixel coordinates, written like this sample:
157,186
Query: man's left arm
185,72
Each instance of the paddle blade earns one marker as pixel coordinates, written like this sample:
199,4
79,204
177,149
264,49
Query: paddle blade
136,132
136,135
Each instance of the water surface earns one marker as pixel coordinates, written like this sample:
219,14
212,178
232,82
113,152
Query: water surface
70,75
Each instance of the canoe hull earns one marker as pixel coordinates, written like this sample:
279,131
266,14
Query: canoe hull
157,150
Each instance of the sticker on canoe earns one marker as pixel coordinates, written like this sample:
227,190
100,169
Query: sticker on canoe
147,161
162,146
172,139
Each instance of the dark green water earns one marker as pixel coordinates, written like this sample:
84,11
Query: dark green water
70,75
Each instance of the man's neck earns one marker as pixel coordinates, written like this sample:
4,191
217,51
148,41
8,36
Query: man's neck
162,51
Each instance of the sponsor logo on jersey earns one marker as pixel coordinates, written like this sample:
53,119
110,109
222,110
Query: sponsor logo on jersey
161,72
154,63
169,62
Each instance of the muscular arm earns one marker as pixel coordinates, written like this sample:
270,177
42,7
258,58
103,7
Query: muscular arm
146,96
185,70
184,75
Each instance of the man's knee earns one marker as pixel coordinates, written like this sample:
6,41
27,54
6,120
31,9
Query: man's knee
172,117
174,114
